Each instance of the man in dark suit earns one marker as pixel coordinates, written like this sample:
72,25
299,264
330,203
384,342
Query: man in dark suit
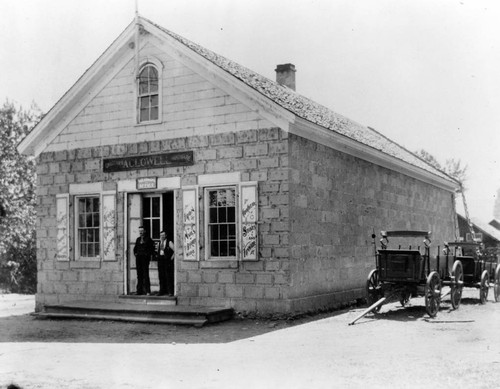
143,249
166,265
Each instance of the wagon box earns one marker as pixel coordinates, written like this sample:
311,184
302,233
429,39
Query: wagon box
400,265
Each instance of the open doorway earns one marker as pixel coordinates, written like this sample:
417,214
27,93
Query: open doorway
155,212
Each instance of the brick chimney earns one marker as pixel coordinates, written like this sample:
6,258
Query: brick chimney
285,75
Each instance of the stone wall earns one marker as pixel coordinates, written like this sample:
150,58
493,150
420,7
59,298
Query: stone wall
259,155
337,202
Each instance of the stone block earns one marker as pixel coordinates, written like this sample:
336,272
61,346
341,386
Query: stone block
244,278
267,134
256,150
246,136
245,164
197,141
218,166
253,292
230,152
205,154
271,240
263,279
253,265
272,292
226,278
272,265
222,139
209,277
234,291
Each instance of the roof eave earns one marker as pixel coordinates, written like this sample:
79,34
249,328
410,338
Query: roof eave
352,147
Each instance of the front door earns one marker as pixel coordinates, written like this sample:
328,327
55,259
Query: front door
155,212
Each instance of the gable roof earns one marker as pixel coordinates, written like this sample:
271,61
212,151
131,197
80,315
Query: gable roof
298,105
483,227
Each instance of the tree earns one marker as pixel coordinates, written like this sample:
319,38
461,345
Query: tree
17,196
452,167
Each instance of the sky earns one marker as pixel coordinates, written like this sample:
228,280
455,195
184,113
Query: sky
424,73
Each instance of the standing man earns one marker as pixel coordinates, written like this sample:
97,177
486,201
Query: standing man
143,249
166,265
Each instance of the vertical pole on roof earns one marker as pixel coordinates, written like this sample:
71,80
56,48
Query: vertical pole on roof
136,43
136,54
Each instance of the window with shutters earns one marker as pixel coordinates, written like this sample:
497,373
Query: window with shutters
221,222
88,227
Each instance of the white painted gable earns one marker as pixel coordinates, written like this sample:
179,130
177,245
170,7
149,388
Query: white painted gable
191,106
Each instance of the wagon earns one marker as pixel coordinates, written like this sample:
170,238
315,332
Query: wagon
408,272
475,269
404,272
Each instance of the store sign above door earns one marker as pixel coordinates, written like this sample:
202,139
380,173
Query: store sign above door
154,161
147,183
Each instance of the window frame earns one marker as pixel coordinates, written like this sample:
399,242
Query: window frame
157,65
206,222
76,240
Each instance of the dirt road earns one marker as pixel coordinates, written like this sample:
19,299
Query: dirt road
400,348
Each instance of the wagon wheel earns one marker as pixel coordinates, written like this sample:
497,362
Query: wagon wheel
373,289
457,284
433,294
484,287
496,287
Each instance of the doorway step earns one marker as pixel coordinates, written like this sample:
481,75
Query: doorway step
137,312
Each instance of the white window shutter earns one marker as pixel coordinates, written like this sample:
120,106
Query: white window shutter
109,226
249,218
62,215
190,221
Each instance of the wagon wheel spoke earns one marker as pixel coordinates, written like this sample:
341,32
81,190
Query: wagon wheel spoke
432,294
457,282
484,287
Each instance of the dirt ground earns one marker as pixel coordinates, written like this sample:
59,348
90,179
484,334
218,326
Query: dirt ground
22,327
398,348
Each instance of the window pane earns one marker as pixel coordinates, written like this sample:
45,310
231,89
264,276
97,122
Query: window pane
221,198
212,201
153,86
232,231
153,73
232,248
223,231
154,101
214,249
231,212
96,220
97,248
91,252
144,115
213,215
156,207
154,114
230,197
144,103
81,205
222,215
156,229
214,232
88,220
83,250
223,249
88,205
146,207
95,207
81,220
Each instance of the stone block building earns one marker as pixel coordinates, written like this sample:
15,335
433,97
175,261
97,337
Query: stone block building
270,198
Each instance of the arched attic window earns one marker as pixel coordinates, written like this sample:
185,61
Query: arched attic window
148,96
